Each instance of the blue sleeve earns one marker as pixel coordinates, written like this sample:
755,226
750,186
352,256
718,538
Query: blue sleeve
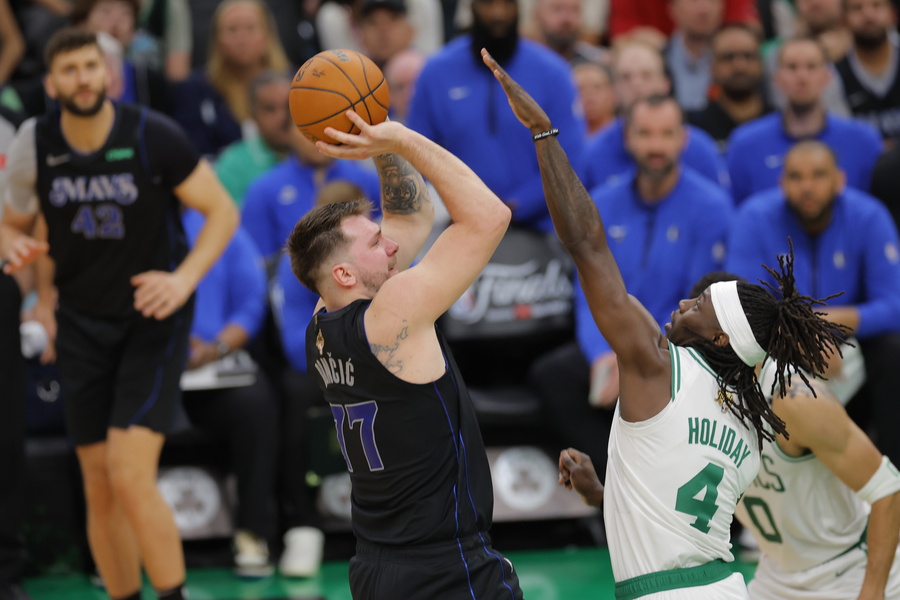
704,157
738,172
591,341
246,284
880,313
293,311
419,116
746,251
712,227
255,219
871,149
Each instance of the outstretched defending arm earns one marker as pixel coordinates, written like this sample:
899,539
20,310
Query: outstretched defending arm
624,322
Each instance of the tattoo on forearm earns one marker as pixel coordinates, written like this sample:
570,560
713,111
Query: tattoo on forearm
385,353
402,188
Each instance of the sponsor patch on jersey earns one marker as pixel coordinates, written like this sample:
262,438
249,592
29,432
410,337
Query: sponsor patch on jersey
114,154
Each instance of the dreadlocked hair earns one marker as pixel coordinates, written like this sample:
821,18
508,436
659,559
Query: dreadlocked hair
786,325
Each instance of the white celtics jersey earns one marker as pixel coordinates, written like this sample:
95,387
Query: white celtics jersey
672,482
803,514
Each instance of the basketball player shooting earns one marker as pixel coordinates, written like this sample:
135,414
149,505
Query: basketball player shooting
422,495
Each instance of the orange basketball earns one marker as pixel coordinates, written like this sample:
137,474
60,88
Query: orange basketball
331,82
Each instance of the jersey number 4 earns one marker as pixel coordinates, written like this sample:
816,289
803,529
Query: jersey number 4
698,496
362,417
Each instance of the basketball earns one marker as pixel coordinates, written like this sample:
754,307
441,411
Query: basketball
331,82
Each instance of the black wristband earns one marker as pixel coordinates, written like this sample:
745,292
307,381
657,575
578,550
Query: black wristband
550,132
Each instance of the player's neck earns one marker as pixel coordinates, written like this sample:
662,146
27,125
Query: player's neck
804,121
88,134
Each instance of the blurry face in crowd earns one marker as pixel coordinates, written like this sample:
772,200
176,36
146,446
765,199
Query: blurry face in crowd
306,150
869,21
401,73
819,15
697,18
272,115
655,138
241,34
113,17
811,181
559,22
736,65
78,80
639,74
802,73
495,26
385,32
595,91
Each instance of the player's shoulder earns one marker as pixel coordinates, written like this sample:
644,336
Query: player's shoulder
853,131
764,203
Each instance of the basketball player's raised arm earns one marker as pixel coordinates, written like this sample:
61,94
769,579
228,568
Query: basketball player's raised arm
624,322
480,219
408,214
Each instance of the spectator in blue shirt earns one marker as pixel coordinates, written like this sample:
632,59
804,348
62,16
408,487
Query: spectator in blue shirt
230,307
458,104
844,241
756,149
276,200
639,72
666,227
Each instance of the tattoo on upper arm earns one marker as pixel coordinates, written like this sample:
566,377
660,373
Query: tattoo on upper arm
402,187
386,353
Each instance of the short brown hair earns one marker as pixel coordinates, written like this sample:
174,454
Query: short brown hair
318,235
67,40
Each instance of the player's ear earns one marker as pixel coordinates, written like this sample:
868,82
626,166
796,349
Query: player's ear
720,339
343,276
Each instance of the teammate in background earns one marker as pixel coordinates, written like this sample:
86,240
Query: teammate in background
691,417
107,179
809,508
422,492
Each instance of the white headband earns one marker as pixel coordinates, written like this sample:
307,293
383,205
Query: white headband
734,322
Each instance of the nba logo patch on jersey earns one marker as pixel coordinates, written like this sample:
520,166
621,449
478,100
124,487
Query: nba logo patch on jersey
320,343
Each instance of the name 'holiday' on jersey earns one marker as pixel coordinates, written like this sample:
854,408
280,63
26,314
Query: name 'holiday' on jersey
673,481
397,436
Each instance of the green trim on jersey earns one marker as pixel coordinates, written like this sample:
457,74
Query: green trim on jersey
675,366
699,358
673,579
791,459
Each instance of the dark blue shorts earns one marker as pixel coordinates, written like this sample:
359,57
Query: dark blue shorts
468,569
120,372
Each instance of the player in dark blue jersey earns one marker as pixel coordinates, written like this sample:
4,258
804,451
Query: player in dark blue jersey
108,181
422,494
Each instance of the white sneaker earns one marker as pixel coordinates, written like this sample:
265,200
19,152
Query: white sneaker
302,555
251,556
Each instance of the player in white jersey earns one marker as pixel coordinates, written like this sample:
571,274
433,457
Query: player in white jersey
685,398
809,508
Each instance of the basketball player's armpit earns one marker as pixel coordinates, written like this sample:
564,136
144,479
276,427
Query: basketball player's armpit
385,353
403,190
